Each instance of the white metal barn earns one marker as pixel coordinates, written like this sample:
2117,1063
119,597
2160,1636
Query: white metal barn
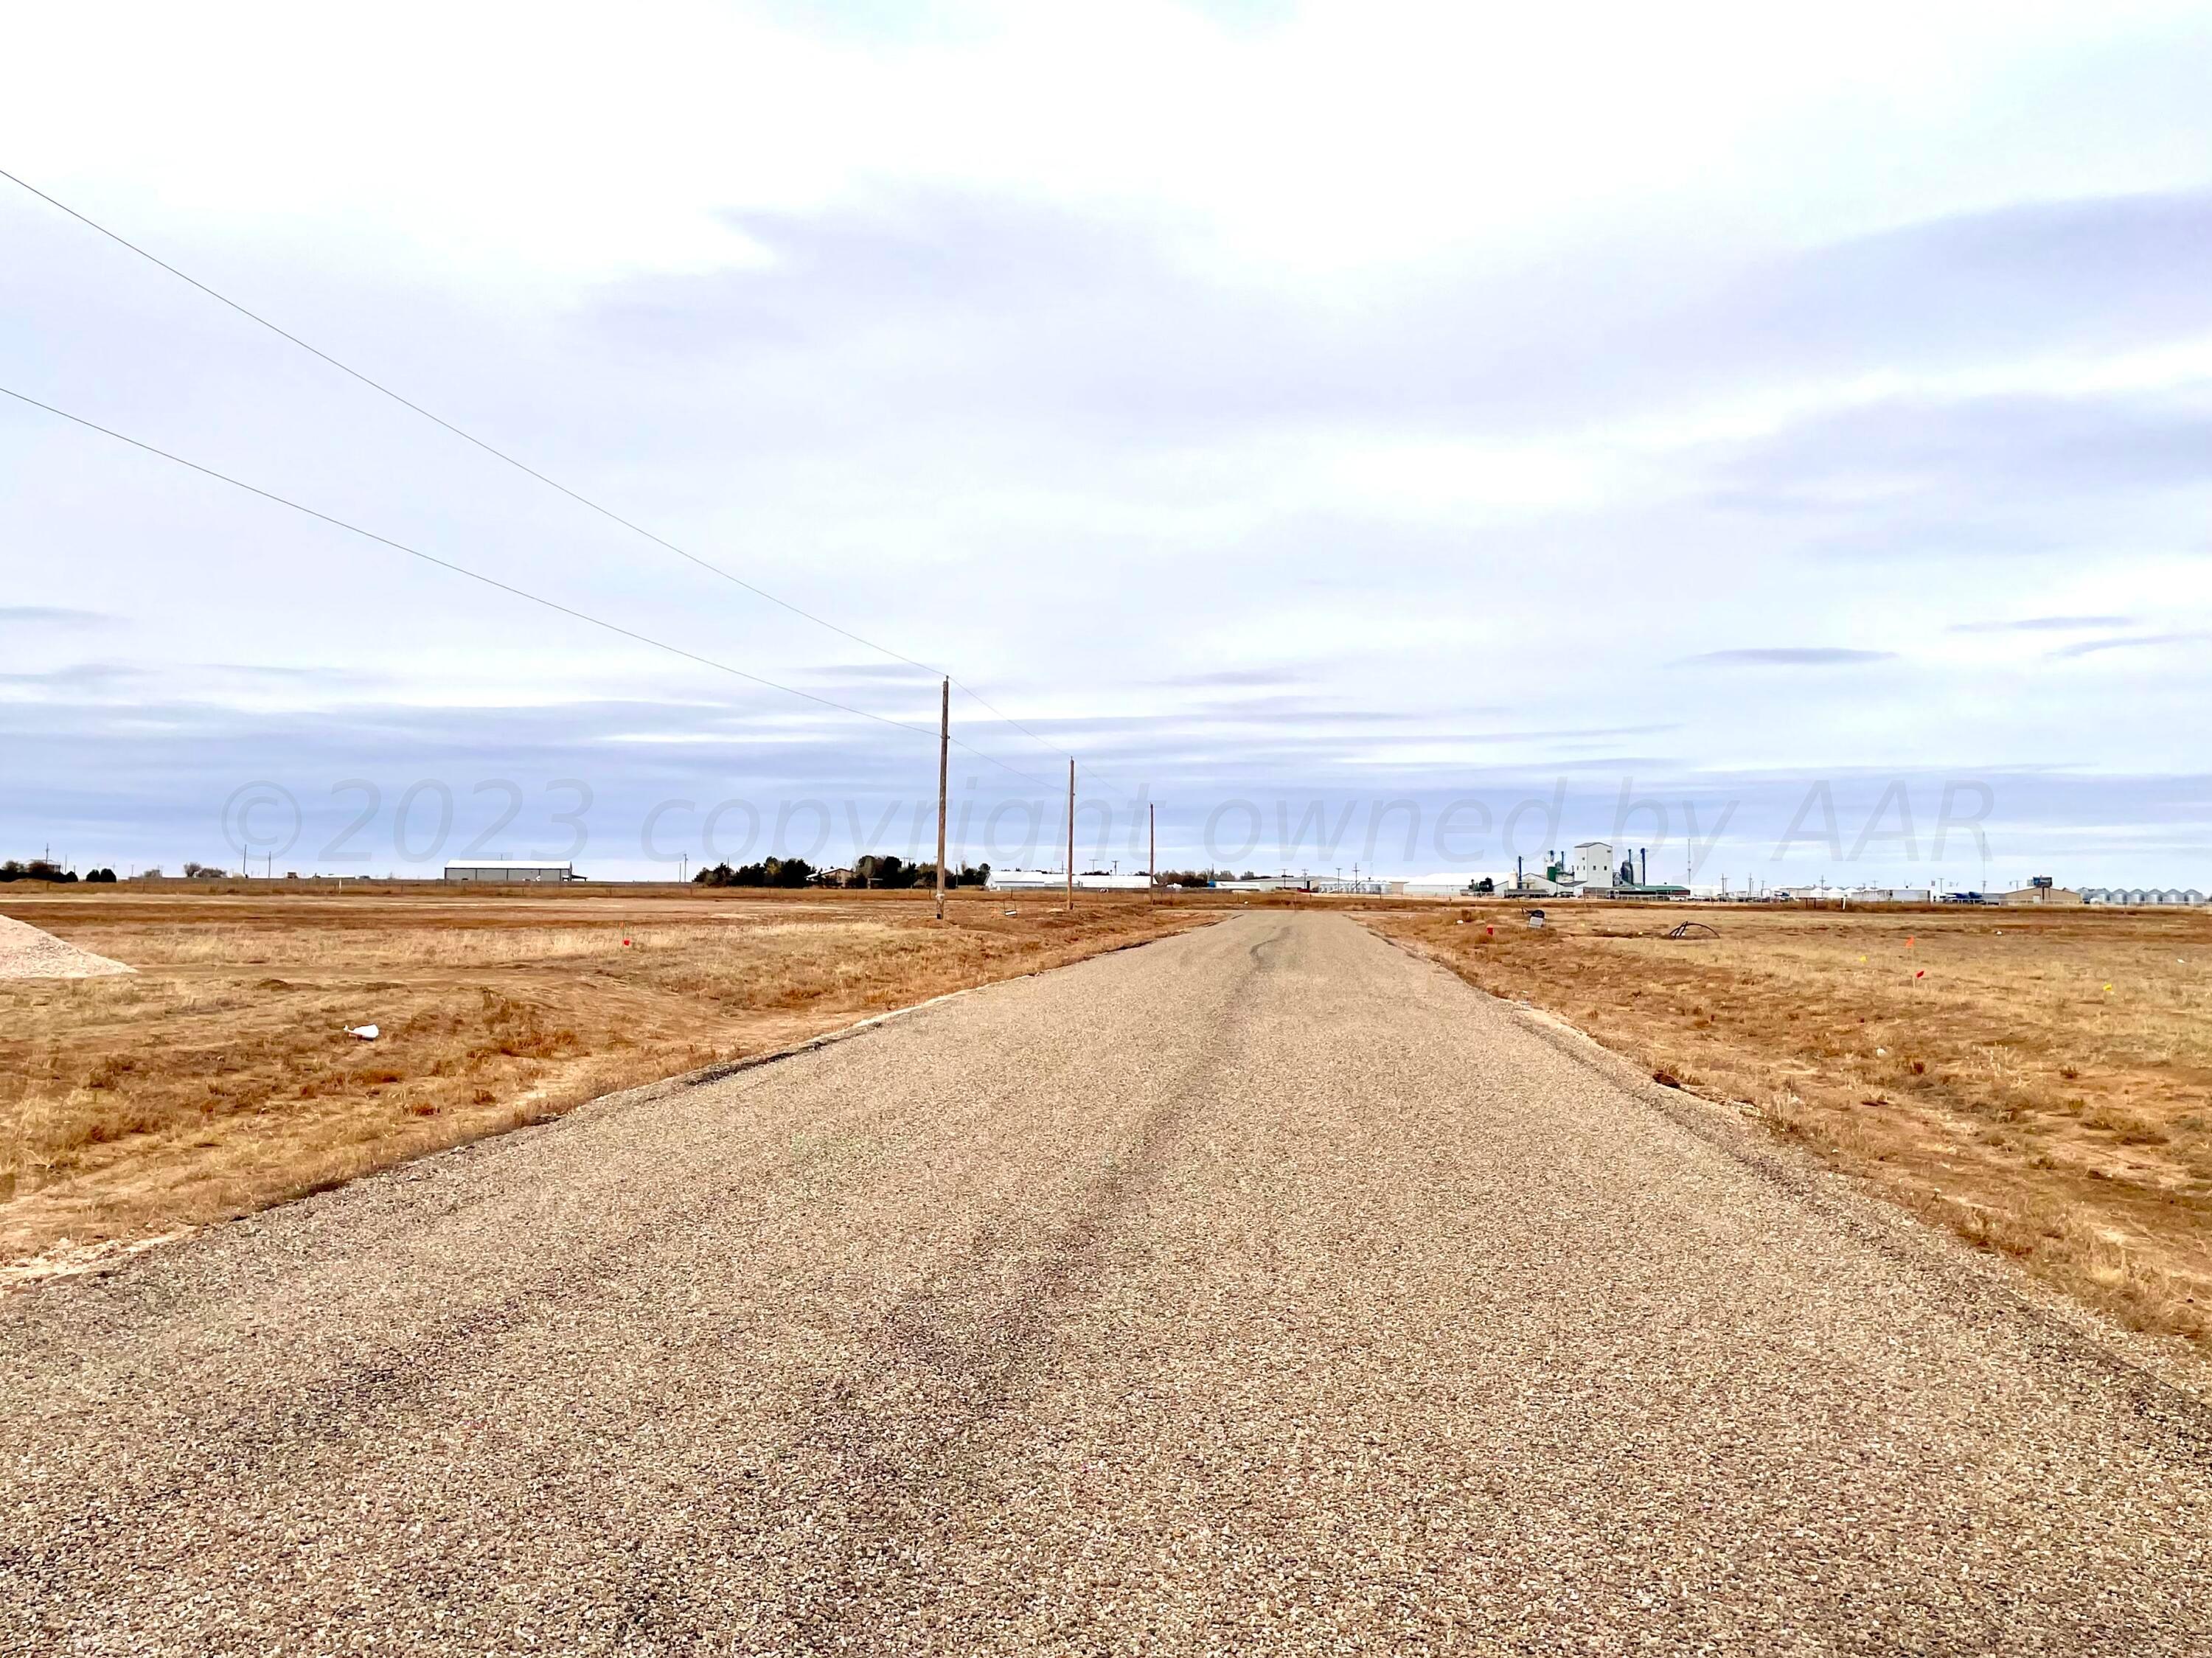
1055,880
1024,880
509,869
1451,884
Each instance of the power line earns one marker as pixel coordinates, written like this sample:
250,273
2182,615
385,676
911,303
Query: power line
467,436
503,587
1009,718
497,453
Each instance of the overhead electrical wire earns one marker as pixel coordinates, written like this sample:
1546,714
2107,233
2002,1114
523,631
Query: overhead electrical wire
497,453
507,587
1053,747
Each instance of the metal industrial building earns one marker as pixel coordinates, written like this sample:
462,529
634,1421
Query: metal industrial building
510,869
2041,890
1593,866
1055,880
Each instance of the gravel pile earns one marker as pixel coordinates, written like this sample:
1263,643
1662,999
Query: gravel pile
27,953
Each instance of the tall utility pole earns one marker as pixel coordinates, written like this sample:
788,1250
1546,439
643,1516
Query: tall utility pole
1071,832
1153,857
944,760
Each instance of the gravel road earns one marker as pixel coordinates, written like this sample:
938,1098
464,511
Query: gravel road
1262,1291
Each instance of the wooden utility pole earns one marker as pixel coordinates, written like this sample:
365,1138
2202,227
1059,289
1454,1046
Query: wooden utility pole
944,760
1071,832
1153,857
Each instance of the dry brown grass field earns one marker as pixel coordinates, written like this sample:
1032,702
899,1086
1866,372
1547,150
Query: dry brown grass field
219,1078
2039,1080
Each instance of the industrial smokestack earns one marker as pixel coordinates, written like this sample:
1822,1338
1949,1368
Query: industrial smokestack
1644,864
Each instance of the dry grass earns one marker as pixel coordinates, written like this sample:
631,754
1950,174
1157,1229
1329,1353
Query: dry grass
2008,1092
2039,1081
220,1077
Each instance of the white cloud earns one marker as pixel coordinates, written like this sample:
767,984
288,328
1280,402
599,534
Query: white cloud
1435,356
555,143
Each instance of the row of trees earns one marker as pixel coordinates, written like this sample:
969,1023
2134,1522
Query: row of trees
39,869
886,871
870,872
770,872
43,869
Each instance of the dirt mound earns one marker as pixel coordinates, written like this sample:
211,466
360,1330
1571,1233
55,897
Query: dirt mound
27,953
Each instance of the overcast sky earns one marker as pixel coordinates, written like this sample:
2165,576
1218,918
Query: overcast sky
1286,410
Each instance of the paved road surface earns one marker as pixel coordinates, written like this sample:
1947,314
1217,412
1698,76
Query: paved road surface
1262,1291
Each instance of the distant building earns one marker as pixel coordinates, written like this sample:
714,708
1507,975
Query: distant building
1593,865
1025,880
2041,893
1055,880
1448,884
1821,894
1526,885
509,869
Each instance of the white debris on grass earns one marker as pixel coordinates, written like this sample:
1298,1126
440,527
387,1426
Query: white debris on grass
27,953
367,1033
